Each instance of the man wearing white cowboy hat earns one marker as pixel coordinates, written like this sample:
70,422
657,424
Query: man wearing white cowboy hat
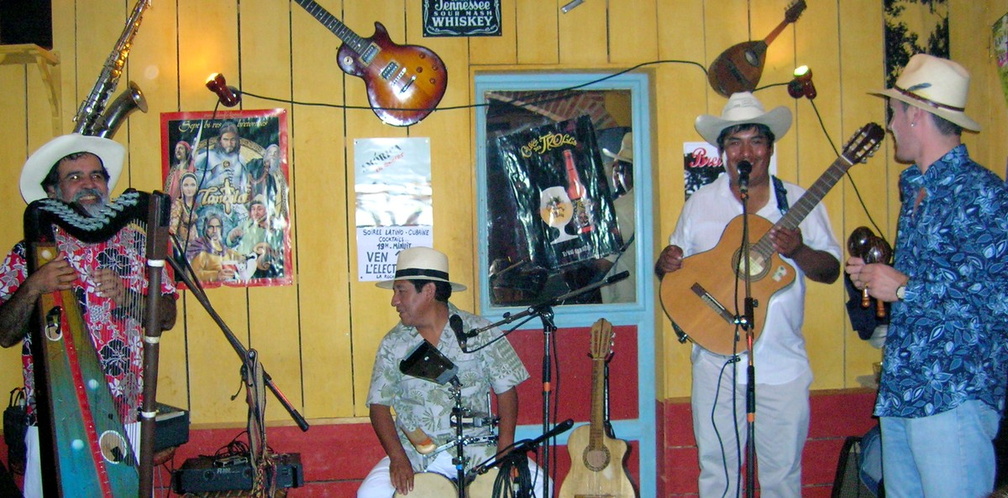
943,380
81,170
745,133
420,293
621,172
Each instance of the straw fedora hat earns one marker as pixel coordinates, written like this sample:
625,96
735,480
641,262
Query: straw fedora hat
42,161
421,263
743,108
625,151
939,86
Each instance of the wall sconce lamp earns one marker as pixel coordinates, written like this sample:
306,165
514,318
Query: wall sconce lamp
801,85
228,96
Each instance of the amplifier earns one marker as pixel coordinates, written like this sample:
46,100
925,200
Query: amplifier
207,474
171,427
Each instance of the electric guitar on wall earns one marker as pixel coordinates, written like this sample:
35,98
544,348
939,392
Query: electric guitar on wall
404,82
597,459
702,297
739,68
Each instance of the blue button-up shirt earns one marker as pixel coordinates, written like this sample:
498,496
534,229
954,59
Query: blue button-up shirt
946,341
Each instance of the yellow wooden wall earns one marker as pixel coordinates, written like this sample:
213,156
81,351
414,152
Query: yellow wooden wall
317,337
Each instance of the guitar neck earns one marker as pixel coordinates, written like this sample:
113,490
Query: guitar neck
597,430
776,31
805,204
335,25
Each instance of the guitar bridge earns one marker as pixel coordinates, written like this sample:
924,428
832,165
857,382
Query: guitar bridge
709,300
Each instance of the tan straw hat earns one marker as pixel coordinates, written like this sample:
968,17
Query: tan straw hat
625,151
421,263
939,86
743,108
38,165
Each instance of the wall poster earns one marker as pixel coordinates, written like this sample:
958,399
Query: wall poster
392,179
554,216
228,178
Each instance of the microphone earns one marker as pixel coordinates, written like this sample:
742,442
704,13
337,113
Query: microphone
456,325
558,429
744,168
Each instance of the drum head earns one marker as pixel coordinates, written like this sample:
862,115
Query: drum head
482,486
431,485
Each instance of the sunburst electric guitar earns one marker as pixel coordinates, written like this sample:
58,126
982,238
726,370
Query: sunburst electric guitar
740,67
701,299
597,459
404,82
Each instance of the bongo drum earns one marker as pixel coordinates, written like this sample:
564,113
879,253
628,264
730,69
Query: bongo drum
431,485
483,485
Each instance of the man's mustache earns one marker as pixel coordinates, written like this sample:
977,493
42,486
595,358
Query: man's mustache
87,192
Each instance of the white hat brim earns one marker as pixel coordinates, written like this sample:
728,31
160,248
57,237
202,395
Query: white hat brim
387,284
39,164
777,119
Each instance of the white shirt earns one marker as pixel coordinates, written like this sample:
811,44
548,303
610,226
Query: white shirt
780,348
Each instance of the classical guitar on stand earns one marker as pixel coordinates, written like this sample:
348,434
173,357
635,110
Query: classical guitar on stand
597,459
703,297
739,68
404,83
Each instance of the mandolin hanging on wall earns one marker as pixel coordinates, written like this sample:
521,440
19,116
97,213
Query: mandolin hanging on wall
739,68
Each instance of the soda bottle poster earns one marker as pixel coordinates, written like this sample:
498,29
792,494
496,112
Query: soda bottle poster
561,195
228,178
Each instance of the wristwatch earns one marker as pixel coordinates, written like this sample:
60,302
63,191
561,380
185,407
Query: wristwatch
901,292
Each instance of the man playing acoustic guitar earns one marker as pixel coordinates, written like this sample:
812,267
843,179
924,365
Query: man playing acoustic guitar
745,133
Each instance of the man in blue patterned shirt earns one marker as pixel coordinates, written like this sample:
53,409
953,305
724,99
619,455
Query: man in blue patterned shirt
944,364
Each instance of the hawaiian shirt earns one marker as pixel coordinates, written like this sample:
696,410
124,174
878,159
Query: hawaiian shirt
115,331
424,404
946,341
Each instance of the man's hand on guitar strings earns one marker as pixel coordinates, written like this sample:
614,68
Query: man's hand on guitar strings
786,242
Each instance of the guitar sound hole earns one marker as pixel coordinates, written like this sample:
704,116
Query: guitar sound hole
113,447
596,460
752,58
757,267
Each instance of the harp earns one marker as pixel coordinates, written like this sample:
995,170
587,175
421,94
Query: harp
85,409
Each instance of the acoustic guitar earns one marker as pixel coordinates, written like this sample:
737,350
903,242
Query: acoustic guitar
702,297
739,68
597,459
404,83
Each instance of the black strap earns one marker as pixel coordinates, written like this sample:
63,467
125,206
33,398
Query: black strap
781,192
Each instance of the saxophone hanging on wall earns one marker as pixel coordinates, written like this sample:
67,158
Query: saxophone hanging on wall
93,117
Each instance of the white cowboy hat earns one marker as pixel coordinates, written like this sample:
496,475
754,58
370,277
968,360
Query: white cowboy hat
625,151
743,108
38,165
939,86
421,263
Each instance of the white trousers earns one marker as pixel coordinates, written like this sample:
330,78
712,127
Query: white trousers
378,483
781,427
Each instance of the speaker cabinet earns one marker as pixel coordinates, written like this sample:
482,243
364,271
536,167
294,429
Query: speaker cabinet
26,21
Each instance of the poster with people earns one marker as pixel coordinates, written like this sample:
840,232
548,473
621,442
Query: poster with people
556,208
228,178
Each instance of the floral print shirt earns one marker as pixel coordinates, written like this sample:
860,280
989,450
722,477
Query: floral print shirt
424,404
115,331
946,341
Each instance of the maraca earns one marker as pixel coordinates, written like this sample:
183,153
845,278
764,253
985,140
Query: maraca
878,251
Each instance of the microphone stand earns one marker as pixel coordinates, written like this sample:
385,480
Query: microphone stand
460,458
184,271
545,312
746,321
